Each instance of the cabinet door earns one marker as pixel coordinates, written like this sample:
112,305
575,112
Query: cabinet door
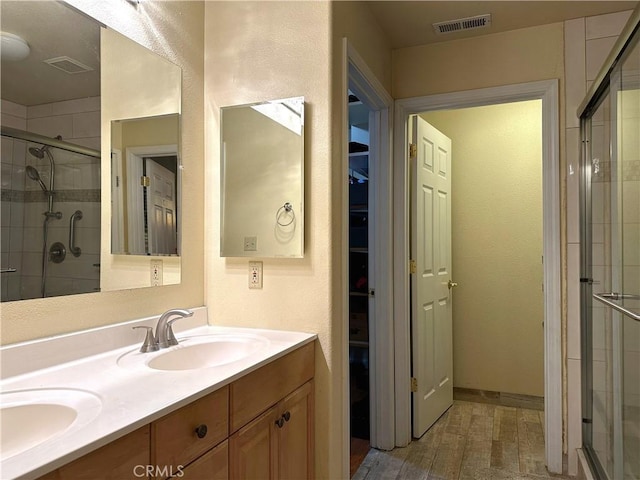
253,449
295,437
213,465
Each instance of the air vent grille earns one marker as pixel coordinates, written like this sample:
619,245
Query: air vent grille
461,24
68,65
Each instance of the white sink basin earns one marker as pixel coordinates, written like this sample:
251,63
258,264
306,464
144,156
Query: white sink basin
31,417
198,351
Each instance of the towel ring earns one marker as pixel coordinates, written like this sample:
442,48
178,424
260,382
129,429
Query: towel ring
286,208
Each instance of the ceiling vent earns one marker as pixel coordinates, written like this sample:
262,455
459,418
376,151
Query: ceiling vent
462,24
68,65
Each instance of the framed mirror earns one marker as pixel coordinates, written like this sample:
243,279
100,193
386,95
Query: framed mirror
262,172
63,84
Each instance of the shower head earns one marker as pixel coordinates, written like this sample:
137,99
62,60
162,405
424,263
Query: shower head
38,152
33,174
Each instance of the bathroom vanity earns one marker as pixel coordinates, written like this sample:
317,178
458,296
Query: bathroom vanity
250,417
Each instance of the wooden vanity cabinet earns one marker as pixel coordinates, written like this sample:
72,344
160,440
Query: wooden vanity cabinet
258,427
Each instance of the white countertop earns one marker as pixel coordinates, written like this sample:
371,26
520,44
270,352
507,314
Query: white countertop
130,397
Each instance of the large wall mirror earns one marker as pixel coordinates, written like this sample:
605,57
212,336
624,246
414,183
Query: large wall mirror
262,204
61,89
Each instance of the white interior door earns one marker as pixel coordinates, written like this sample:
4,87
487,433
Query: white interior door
161,209
431,319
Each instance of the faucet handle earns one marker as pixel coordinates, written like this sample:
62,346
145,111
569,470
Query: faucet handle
150,343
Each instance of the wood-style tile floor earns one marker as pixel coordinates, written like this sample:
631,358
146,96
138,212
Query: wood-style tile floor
470,441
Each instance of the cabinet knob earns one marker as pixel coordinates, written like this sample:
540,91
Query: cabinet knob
280,422
201,431
286,416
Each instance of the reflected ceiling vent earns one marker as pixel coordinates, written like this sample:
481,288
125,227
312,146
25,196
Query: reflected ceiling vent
462,24
68,65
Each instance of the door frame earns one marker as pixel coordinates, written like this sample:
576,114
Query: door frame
547,91
381,356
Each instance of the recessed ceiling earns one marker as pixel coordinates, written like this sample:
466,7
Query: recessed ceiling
52,30
409,23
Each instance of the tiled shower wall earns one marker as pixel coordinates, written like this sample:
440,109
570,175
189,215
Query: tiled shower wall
588,41
77,186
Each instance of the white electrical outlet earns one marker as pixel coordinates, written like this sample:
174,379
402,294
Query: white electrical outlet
156,273
255,274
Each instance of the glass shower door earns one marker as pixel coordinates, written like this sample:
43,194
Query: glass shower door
611,273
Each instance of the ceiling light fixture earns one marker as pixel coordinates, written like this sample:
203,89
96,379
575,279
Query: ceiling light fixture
13,47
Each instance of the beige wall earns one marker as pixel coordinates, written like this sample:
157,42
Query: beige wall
267,50
517,56
496,245
175,31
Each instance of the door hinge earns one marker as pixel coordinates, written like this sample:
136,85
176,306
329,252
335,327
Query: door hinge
413,150
414,384
412,266
145,181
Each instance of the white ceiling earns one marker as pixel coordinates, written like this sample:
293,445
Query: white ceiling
51,29
409,23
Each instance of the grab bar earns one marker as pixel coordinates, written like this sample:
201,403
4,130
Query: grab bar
8,270
75,251
607,298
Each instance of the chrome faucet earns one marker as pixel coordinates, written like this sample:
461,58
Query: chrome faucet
164,332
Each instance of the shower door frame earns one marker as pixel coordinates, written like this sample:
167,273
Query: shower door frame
603,89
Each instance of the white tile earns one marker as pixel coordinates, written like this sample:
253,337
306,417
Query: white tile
631,201
39,111
86,125
573,301
88,239
32,240
89,142
13,288
575,79
32,263
6,171
13,121
30,287
573,184
15,238
52,126
597,52
18,177
13,108
631,377
631,337
19,152
79,105
574,413
631,244
5,239
631,278
6,150
608,25
5,214
17,214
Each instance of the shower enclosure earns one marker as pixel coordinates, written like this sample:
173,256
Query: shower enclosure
610,263
50,216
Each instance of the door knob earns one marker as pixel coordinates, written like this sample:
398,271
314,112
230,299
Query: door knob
451,284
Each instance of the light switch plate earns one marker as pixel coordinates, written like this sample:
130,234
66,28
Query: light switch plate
255,275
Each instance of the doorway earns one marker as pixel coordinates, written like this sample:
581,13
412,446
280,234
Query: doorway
492,248
547,91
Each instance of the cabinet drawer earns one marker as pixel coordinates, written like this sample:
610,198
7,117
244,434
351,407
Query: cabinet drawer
174,439
257,391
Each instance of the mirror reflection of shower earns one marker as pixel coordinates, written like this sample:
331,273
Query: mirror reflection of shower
34,175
